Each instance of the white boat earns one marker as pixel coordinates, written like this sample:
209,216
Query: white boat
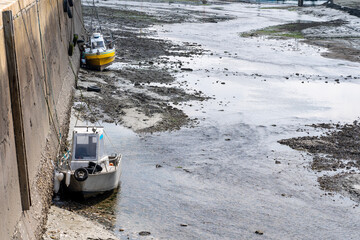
89,170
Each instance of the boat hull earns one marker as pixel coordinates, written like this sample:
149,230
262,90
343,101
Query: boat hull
96,183
99,61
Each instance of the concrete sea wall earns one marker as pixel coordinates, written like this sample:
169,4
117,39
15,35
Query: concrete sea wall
46,73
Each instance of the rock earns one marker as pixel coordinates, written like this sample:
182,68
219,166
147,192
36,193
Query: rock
136,84
259,232
93,89
183,225
144,233
121,230
277,162
227,139
158,166
187,69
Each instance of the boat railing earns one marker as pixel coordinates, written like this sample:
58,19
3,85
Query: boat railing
110,160
114,159
92,165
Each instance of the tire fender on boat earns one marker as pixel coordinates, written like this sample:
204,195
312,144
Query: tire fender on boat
81,174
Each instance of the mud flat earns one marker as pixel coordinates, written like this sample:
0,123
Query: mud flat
350,6
230,92
337,35
138,90
336,155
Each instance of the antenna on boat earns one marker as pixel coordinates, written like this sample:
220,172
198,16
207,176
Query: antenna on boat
97,16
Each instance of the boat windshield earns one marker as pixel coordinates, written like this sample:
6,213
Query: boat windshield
97,44
85,147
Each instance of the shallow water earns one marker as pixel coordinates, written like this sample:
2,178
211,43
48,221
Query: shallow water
220,178
292,2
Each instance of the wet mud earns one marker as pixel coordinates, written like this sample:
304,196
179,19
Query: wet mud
135,97
291,30
339,48
336,154
127,92
327,34
351,9
100,208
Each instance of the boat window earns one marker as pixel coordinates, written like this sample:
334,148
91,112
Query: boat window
85,147
100,44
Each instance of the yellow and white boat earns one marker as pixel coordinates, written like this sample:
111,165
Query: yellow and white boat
97,55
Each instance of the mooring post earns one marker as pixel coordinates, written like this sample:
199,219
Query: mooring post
300,3
16,109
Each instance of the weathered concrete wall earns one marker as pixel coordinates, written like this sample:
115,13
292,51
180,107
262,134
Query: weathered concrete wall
9,185
46,73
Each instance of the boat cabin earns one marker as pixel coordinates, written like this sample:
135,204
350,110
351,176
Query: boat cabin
97,43
88,146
